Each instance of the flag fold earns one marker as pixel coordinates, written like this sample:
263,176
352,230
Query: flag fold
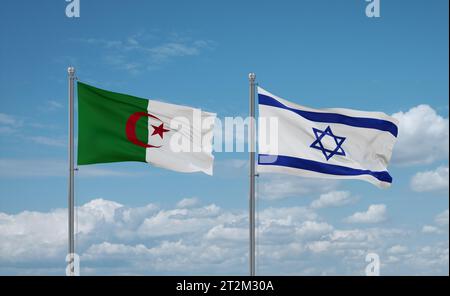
114,127
328,143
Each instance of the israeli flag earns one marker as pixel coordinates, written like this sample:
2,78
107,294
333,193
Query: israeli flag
327,143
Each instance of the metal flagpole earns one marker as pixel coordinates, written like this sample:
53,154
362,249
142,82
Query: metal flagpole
252,199
71,72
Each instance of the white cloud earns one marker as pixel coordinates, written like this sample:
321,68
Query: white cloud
285,215
319,246
51,105
9,123
54,104
203,239
141,52
423,136
14,126
430,257
7,119
109,232
313,229
374,214
397,249
165,51
179,221
188,202
227,233
38,236
441,224
442,218
431,229
48,141
276,187
333,199
353,235
101,209
436,180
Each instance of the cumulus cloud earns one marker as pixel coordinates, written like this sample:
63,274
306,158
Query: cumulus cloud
167,240
436,180
397,249
187,202
423,136
202,239
313,229
39,236
179,221
229,233
374,214
333,199
441,224
429,257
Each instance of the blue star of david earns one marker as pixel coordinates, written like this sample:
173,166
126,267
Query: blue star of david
317,144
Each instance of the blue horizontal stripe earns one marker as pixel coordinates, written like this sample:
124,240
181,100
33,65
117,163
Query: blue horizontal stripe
319,167
373,123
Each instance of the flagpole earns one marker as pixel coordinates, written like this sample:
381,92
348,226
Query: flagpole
252,199
71,207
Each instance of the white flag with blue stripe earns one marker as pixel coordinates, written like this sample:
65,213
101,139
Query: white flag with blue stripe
327,143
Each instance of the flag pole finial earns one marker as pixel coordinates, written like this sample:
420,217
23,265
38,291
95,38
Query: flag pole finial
71,70
251,76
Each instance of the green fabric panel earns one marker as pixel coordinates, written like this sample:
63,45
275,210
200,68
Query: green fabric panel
102,117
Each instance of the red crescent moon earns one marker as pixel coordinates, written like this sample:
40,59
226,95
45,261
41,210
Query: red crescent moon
131,129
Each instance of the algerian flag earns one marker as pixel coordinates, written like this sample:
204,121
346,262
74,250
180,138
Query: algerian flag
115,127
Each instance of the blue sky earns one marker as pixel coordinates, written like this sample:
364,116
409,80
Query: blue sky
316,53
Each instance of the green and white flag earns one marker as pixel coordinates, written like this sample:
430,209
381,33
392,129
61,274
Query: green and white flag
115,127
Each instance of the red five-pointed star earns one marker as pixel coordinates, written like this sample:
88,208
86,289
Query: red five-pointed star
159,130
